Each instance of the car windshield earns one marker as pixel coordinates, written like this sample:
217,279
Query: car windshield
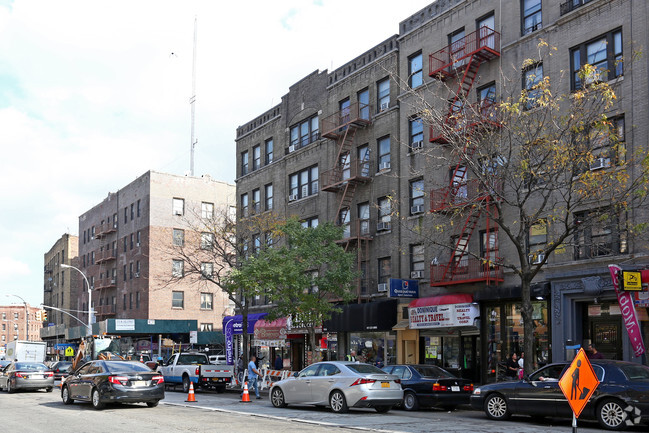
125,367
30,366
635,372
433,371
365,369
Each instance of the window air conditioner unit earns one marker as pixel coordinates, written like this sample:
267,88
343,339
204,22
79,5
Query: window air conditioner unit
137,275
600,163
419,144
416,275
417,209
291,148
292,197
137,244
383,226
383,287
384,166
112,281
384,106
536,259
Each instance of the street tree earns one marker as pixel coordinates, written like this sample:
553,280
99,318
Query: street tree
305,274
550,169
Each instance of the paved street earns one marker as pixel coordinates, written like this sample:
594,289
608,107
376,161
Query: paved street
41,411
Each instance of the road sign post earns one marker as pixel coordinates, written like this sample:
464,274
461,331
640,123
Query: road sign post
578,383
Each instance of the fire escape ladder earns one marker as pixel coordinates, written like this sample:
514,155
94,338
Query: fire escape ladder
466,83
346,199
345,142
462,244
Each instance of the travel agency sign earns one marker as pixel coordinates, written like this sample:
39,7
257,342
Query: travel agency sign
442,316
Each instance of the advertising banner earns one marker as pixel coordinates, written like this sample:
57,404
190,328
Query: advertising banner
443,316
629,317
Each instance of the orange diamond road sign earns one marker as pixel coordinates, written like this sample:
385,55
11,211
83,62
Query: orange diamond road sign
579,382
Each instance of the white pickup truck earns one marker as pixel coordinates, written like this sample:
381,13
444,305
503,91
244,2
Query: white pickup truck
185,367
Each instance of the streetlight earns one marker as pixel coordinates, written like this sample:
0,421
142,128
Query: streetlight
26,315
63,265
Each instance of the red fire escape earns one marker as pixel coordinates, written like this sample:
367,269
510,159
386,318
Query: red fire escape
466,198
348,173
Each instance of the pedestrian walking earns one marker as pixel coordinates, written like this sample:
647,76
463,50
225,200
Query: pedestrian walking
279,364
352,356
253,375
593,353
521,366
512,366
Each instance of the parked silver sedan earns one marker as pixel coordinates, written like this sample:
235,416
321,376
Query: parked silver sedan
339,385
26,375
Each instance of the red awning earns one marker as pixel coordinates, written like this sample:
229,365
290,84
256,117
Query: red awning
271,330
454,298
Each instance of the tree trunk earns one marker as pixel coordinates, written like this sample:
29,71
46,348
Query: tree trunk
528,325
315,353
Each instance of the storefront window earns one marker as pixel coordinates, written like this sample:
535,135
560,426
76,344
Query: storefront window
374,347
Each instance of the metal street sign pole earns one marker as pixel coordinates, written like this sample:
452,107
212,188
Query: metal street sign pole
574,423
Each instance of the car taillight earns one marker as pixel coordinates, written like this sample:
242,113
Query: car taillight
118,380
438,387
468,388
19,374
397,380
198,371
158,379
49,374
363,381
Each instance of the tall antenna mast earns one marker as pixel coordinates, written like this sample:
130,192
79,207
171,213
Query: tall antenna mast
192,102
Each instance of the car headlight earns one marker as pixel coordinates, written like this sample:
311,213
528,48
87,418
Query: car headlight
476,391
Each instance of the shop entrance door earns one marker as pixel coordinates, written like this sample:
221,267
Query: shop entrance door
470,363
297,355
606,335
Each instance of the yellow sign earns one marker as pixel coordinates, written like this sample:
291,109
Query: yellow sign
69,351
632,280
579,382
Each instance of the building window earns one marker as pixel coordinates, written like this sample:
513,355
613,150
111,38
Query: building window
344,220
364,218
137,301
303,183
416,128
115,217
487,100
310,222
364,104
417,262
416,196
256,201
137,269
268,151
268,195
207,210
206,301
125,243
207,240
131,237
177,268
383,145
132,211
269,239
489,246
383,94
532,78
600,233
604,146
244,205
138,208
207,270
178,237
177,299
256,157
458,47
178,206
124,272
532,19
125,215
538,237
206,327
305,132
415,71
385,210
244,163
604,53
130,271
138,238
256,243
385,270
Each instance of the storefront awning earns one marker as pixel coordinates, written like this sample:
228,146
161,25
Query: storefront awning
403,324
453,298
271,330
372,316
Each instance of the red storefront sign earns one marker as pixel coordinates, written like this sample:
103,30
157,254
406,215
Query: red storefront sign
629,317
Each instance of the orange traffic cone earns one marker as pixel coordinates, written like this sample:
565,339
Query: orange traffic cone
190,396
142,359
245,397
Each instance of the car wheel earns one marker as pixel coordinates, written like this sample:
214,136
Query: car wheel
610,414
48,389
10,389
186,383
65,396
382,409
410,401
496,407
277,397
337,402
96,401
152,403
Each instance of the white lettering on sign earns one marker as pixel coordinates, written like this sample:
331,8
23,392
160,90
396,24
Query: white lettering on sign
443,316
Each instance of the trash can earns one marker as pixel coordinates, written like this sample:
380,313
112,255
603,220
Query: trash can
571,349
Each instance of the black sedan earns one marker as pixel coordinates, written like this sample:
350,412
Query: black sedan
429,385
620,400
100,382
61,369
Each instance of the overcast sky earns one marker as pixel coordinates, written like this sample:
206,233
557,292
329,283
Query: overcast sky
95,93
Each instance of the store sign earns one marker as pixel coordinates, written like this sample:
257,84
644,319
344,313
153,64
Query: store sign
124,324
404,288
443,316
629,317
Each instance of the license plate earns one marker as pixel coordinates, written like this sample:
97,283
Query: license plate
455,388
35,376
216,379
385,384
138,383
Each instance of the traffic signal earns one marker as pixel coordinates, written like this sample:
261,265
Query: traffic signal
44,315
38,315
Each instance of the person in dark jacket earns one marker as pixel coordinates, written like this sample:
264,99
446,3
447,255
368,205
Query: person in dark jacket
593,353
279,364
512,366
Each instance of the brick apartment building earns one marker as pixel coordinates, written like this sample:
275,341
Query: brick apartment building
61,287
125,250
13,324
342,144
